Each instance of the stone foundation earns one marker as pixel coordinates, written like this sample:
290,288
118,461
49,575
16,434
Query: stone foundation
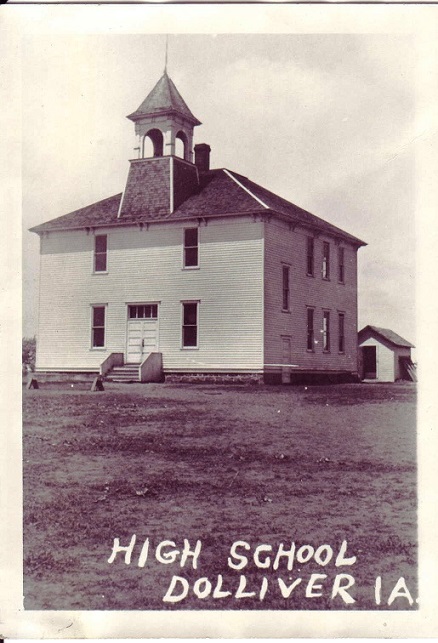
214,378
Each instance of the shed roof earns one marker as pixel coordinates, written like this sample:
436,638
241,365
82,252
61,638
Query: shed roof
387,334
221,192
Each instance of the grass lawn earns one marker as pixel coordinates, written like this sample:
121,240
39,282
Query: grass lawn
265,465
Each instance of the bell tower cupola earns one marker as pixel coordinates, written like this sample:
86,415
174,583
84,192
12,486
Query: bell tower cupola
163,123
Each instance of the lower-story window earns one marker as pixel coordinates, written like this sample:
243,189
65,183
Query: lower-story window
341,337
190,324
98,327
326,331
310,329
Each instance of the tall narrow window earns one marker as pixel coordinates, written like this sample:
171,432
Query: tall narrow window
341,332
326,331
286,289
98,327
310,256
191,248
341,265
310,330
190,325
326,260
100,252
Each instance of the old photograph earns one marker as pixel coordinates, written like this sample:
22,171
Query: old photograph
250,448
219,340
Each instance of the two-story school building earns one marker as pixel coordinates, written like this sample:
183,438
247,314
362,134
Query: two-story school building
194,271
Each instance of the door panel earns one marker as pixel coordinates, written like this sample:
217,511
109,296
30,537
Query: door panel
142,338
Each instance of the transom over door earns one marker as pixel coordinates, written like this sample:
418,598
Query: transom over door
142,335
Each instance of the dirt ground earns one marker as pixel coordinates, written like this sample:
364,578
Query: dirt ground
308,466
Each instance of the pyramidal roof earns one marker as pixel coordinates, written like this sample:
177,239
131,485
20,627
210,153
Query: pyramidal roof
164,98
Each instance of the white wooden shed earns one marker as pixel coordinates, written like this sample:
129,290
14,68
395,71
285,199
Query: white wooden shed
384,356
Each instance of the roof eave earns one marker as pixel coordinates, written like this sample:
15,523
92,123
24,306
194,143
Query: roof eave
137,116
121,223
315,228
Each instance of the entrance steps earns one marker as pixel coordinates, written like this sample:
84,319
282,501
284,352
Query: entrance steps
127,373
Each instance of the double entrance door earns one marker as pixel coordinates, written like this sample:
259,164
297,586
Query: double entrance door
142,332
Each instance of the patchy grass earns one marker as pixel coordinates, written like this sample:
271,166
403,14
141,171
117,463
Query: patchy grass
310,465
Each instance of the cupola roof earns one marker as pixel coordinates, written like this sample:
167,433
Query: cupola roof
164,99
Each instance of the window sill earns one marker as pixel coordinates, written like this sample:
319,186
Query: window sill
99,272
285,310
309,274
98,348
189,348
326,352
341,282
326,278
191,268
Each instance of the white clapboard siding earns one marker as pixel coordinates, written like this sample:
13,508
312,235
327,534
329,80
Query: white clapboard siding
146,266
384,360
286,246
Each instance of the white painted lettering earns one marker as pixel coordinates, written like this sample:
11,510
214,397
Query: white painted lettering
202,587
243,559
262,564
341,560
117,548
400,591
169,597
323,555
240,590
305,553
144,553
286,590
218,592
186,552
341,589
312,588
289,554
167,557
378,590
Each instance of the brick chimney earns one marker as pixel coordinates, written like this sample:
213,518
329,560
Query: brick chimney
202,157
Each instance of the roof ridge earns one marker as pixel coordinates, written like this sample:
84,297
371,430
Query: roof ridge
288,204
256,198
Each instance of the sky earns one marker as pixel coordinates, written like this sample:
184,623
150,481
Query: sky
326,121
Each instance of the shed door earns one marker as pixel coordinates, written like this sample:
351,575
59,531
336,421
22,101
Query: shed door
369,355
142,333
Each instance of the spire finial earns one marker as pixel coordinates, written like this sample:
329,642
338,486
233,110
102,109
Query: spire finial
165,57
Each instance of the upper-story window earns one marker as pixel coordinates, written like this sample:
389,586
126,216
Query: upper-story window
191,248
326,260
286,288
341,265
100,252
310,258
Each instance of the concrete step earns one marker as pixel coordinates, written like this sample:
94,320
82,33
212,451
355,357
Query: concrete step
124,374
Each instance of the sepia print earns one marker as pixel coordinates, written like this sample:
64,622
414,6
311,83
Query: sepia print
219,360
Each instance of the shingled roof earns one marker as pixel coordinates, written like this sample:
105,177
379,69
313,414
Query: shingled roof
387,334
221,193
164,99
